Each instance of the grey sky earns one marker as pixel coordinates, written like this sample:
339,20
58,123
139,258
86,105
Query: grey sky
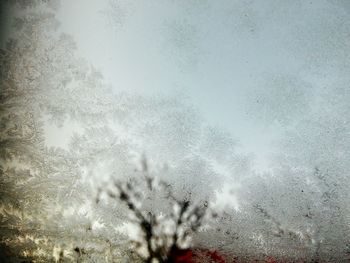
251,67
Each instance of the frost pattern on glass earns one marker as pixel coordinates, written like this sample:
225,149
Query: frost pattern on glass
298,211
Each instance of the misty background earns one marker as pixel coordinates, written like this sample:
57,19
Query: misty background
253,68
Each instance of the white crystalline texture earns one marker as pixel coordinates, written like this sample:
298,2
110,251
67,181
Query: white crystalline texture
79,202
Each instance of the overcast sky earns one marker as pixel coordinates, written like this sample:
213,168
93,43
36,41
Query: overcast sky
251,67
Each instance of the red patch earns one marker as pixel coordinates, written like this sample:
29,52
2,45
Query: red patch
181,256
190,256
